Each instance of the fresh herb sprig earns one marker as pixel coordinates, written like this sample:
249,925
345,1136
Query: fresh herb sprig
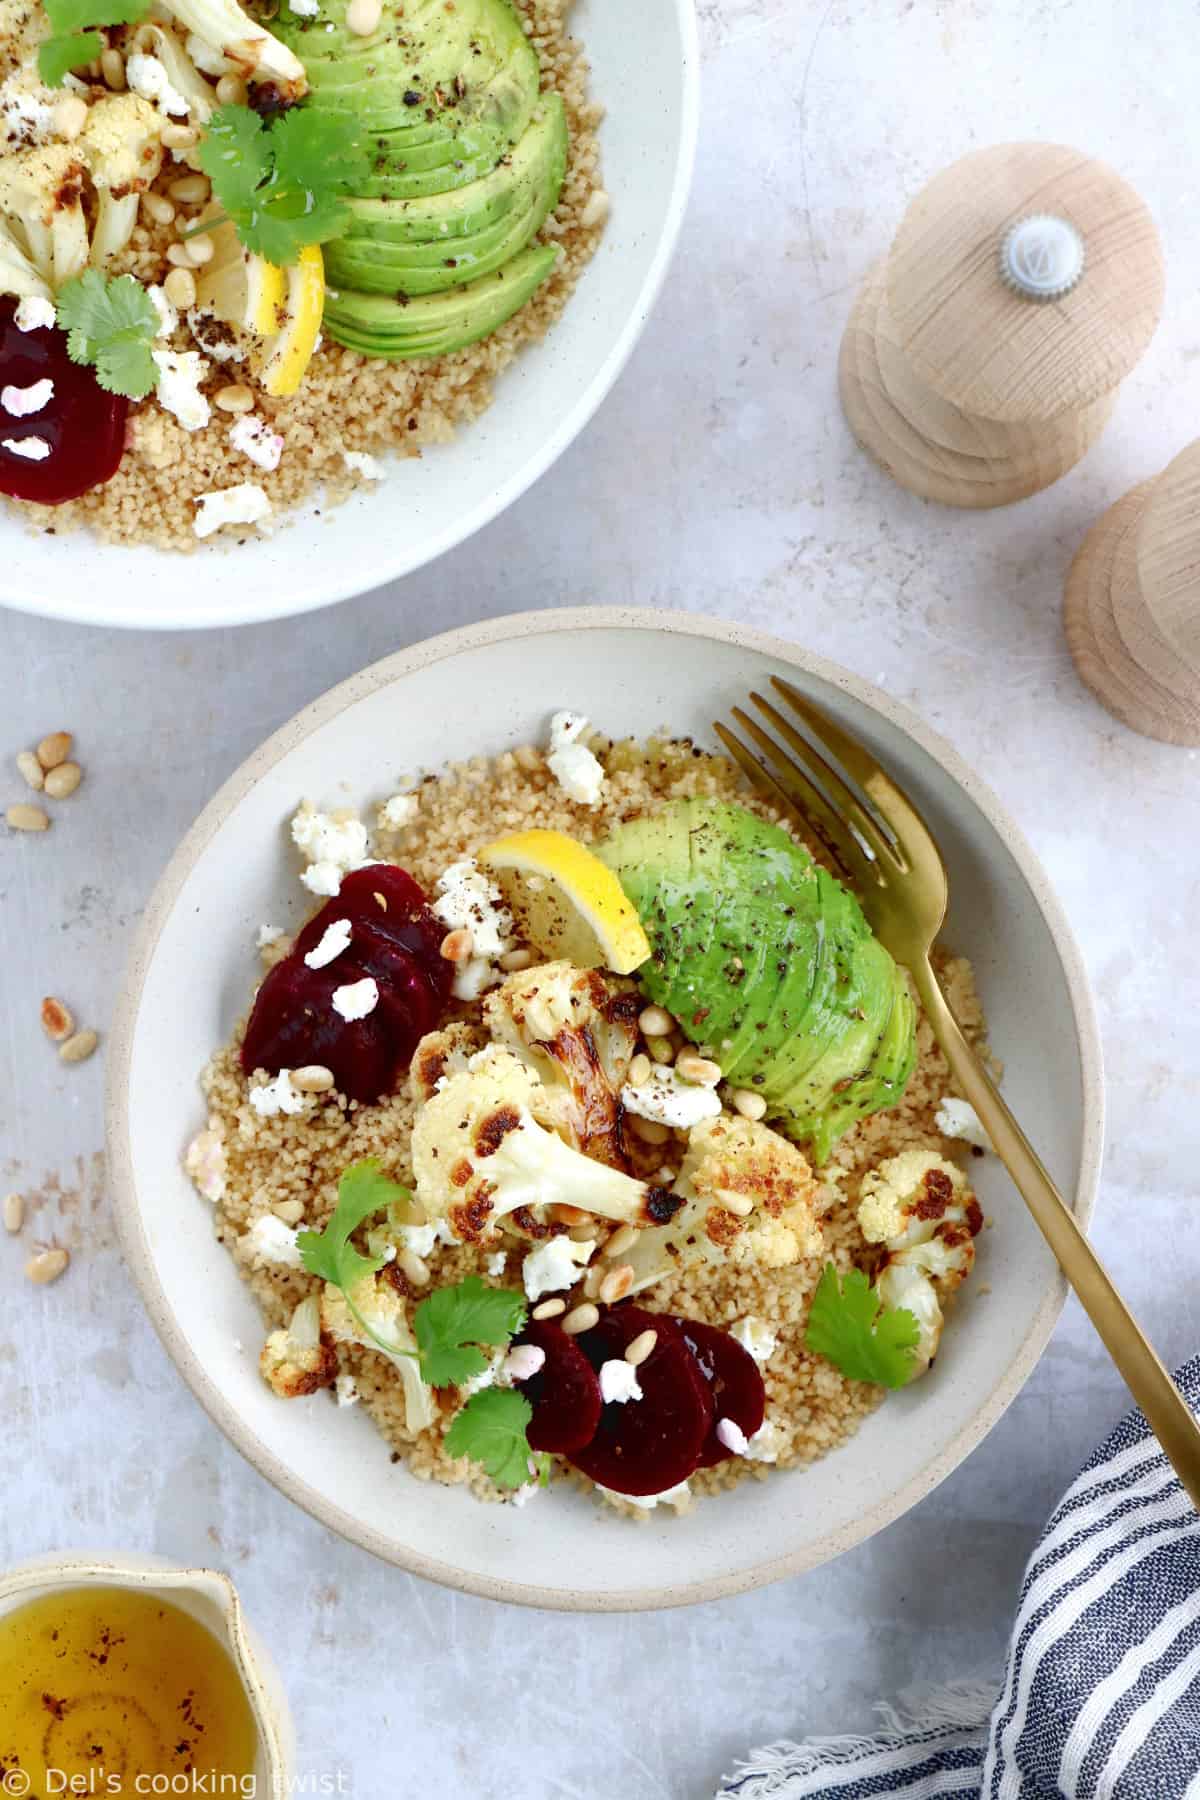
76,38
282,185
111,324
851,1328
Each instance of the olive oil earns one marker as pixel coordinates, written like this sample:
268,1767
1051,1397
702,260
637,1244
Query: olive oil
116,1692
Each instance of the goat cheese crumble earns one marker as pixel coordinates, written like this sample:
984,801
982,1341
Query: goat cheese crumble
33,449
255,439
578,773
756,1336
334,940
148,76
470,900
667,1099
399,811
204,1161
277,1096
619,1382
361,461
554,1265
522,1362
168,317
958,1119
246,504
730,1433
765,1445
331,846
34,314
675,1496
180,373
357,1000
21,402
268,935
272,1241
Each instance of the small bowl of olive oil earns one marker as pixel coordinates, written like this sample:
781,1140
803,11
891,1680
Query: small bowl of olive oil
124,1676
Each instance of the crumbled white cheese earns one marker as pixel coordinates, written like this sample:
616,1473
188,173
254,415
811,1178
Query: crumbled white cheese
34,314
148,76
523,1495
667,1099
730,1433
333,941
522,1362
278,1096
357,1000
204,1161
331,845
765,1445
423,1239
271,1241
268,935
362,463
180,373
470,900
26,109
21,402
216,338
756,1336
399,811
346,1389
495,1264
246,504
555,1265
33,449
168,317
578,773
255,439
676,1496
304,9
486,1378
619,1382
208,60
958,1119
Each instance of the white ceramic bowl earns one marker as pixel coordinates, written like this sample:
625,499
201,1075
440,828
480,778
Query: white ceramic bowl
482,690
646,70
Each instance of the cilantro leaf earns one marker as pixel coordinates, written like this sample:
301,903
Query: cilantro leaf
454,1320
76,40
850,1328
59,55
329,1254
492,1429
111,323
282,185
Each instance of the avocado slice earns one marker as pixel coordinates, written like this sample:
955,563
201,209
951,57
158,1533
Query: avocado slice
425,246
437,324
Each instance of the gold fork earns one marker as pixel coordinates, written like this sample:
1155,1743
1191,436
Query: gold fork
880,843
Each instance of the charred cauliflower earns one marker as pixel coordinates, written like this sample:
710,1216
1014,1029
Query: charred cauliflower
299,1358
920,1208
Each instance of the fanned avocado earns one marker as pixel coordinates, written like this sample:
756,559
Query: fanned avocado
768,961
425,246
436,324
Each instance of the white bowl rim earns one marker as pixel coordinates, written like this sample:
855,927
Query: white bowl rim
371,572
120,1057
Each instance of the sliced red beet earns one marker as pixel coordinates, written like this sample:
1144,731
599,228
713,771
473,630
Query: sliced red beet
83,426
564,1394
396,940
649,1445
734,1379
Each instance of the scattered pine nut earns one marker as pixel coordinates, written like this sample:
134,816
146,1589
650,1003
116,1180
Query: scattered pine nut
749,1104
14,1212
57,1022
180,288
549,1309
591,1283
193,190
157,207
179,256
563,1214
655,1021
31,769
649,1130
63,779
363,16
457,946
581,1318
23,817
235,398
200,251
697,1069
313,1078
414,1267
737,1204
112,67
637,1352
639,1070
616,1284
513,960
661,1049
232,90
290,1211
46,1266
178,137
79,1047
622,1239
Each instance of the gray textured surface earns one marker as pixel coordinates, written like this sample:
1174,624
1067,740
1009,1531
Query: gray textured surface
719,477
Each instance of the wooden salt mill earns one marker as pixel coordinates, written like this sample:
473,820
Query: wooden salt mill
1132,607
983,356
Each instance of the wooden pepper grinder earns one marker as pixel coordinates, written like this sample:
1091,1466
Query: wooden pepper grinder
983,356
1132,608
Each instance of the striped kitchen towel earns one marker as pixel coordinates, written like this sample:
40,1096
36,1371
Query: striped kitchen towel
1101,1697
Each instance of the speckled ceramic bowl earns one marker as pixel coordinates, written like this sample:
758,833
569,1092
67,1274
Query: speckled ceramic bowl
483,690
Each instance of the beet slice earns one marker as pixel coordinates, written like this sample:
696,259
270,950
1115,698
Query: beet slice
649,1445
734,1379
389,899
564,1394
293,1024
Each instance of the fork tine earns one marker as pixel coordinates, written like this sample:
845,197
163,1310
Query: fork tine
877,840
802,798
893,804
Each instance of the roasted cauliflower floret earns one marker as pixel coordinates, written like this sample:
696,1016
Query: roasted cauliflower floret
374,1314
123,150
440,1053
299,1358
224,28
921,1209
41,194
749,1199
577,1031
480,1155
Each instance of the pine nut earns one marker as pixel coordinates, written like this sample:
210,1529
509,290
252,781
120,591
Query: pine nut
512,960
697,1069
46,1266
27,818
639,1070
179,137
236,398
63,779
457,946
78,1047
180,288
749,1104
112,67
158,208
191,189
583,1234
591,1283
54,749
69,117
655,1021
179,256
616,1284
622,1239
562,1214
57,1022
661,1049
232,90
414,1267
14,1213
637,1352
31,769
649,1130
200,251
362,17
290,1211
313,1078
549,1309
736,1203
581,1318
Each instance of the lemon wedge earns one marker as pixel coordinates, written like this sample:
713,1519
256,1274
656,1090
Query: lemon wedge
239,287
566,902
281,362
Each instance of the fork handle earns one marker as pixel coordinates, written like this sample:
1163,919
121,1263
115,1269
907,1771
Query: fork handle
1164,1407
